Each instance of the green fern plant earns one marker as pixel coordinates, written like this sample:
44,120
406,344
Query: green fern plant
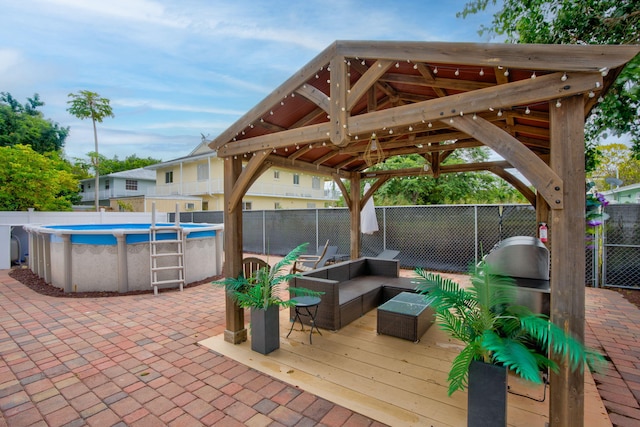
264,288
495,330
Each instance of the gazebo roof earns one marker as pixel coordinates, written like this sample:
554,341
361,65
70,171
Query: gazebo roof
410,95
526,102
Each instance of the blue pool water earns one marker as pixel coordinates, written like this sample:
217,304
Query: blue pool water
103,234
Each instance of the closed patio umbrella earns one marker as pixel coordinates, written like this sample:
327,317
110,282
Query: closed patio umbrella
368,220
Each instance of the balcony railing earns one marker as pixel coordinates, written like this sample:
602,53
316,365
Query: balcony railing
216,186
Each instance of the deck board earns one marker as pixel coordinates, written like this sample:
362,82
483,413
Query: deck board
394,381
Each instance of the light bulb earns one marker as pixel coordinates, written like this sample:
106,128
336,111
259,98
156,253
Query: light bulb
410,128
397,65
533,76
591,94
457,73
500,112
527,110
435,70
481,72
430,125
564,77
558,104
475,117
415,66
506,72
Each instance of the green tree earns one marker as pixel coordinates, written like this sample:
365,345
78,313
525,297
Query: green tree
84,105
24,124
107,166
580,22
32,180
471,187
617,162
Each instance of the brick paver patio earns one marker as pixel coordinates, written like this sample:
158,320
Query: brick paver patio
135,361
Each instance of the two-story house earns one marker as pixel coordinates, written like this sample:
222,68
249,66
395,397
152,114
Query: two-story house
201,175
135,182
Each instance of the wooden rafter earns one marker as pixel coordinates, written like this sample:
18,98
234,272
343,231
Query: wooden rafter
502,96
549,185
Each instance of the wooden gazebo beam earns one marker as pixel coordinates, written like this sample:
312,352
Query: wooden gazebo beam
522,92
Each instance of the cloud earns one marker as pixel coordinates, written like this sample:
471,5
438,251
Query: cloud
159,105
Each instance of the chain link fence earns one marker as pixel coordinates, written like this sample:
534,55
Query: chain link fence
621,246
447,238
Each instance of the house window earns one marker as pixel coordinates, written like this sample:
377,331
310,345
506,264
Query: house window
190,206
131,184
276,174
168,177
82,188
106,184
246,206
277,205
315,183
311,205
203,171
296,179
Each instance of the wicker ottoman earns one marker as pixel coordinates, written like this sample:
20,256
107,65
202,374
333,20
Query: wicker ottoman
407,315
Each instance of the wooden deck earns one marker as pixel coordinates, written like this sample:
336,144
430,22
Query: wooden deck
391,380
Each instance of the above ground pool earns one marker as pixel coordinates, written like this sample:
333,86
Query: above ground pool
118,257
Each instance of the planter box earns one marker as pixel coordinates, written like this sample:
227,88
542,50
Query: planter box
487,397
265,329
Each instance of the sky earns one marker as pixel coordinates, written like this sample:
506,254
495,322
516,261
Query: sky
176,70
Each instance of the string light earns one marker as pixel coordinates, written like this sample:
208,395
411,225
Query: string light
500,112
591,94
527,110
475,116
558,104
506,72
430,125
397,65
457,73
604,71
435,70
481,72
533,76
564,77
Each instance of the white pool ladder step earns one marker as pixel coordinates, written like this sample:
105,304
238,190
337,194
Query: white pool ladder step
173,252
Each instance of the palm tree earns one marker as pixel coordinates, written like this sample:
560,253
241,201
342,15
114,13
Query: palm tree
86,104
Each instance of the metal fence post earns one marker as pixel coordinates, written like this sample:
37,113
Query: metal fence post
384,228
264,232
475,232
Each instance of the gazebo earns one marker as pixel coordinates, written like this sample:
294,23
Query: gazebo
360,102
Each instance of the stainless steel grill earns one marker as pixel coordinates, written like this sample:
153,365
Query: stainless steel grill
526,259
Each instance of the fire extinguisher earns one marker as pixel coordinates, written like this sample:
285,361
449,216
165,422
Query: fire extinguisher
542,232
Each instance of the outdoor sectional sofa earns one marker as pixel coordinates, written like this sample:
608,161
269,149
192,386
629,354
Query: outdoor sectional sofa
352,288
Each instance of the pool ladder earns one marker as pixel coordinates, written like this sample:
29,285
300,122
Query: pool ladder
171,271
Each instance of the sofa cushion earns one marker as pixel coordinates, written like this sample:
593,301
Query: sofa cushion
383,267
357,287
339,272
358,267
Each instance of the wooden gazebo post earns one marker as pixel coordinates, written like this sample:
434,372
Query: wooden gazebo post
566,404
234,315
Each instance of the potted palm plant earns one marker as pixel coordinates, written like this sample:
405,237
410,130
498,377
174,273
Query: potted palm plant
263,293
498,336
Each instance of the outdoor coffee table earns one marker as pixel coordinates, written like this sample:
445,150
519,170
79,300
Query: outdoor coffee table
407,315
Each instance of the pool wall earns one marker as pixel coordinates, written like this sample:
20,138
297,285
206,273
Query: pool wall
116,257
